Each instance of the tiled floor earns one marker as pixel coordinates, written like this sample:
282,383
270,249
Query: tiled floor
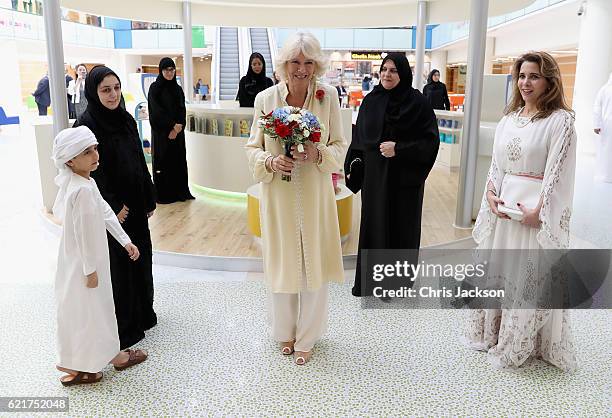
211,354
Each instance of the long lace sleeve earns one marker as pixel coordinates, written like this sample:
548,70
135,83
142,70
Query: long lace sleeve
485,221
558,183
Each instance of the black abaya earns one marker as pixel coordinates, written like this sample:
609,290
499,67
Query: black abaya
391,188
167,108
123,179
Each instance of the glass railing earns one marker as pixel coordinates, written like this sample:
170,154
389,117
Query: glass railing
450,32
24,25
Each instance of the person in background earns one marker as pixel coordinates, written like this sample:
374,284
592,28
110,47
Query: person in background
125,183
42,95
71,109
198,84
394,147
275,77
76,89
341,92
365,83
299,220
375,80
602,117
435,92
254,81
167,118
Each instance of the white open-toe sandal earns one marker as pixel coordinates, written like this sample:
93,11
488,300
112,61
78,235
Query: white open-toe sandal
302,357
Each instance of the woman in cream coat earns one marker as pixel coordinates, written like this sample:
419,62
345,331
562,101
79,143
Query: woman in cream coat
299,221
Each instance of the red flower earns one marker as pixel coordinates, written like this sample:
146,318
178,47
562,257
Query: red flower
315,136
282,130
320,95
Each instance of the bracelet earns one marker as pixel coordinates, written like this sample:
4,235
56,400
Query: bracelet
266,163
492,191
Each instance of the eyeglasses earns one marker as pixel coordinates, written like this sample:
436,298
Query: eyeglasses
169,70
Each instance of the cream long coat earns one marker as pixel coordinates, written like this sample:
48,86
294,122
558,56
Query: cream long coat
299,219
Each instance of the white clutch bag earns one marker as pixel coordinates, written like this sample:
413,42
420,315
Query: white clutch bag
519,189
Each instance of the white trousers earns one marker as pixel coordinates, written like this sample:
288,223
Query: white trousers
299,316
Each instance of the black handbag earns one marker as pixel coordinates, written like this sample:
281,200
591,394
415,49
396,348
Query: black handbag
354,175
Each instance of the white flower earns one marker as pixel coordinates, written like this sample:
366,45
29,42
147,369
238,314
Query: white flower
306,133
293,118
300,148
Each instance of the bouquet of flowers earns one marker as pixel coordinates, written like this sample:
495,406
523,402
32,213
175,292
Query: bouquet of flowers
291,126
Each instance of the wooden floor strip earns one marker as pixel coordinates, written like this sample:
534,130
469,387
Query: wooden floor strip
217,226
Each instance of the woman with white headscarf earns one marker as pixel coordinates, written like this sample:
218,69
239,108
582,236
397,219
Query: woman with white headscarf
87,336
602,118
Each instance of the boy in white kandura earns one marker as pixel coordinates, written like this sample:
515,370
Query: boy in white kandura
86,326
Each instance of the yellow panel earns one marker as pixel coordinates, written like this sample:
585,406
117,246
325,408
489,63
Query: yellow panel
253,216
345,214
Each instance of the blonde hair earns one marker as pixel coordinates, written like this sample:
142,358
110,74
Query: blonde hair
307,44
553,98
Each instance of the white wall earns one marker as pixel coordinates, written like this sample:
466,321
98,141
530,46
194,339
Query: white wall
457,54
439,61
10,82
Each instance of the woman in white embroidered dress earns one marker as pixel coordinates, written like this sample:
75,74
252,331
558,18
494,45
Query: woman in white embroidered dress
299,220
535,138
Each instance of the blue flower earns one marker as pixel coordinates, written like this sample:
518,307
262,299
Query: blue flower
310,120
281,114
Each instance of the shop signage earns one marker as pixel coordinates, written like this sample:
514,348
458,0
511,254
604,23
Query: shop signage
367,55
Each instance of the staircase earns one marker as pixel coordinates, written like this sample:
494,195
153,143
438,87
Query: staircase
260,43
229,67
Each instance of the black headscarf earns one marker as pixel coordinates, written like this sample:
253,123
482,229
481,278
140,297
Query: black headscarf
390,114
166,62
105,119
430,77
260,78
166,100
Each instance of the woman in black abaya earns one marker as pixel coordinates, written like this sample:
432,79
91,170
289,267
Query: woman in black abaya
254,81
167,119
394,147
435,92
125,183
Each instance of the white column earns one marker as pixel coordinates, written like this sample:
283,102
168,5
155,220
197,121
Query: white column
471,121
438,61
592,68
55,56
417,81
489,55
187,45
